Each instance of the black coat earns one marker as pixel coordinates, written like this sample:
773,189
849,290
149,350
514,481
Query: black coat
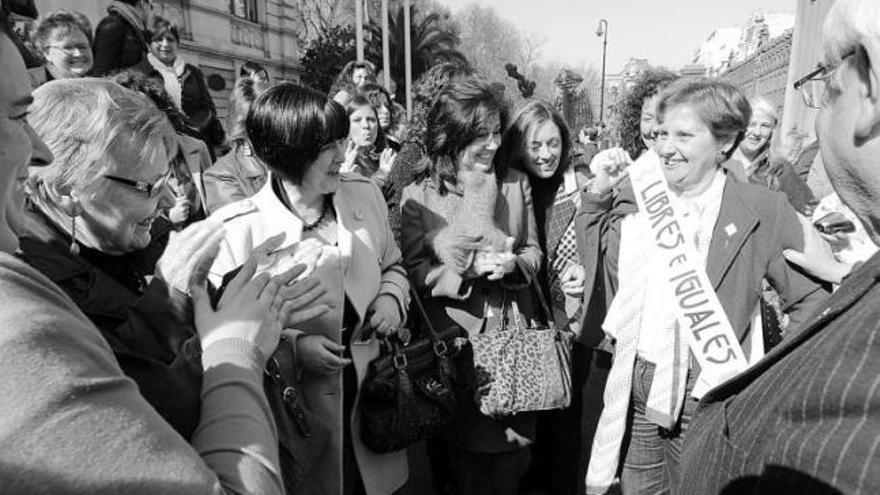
196,100
118,45
150,329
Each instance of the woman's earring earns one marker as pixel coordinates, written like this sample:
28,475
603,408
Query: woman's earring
74,247
720,158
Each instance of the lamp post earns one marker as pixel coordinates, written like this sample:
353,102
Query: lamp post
602,32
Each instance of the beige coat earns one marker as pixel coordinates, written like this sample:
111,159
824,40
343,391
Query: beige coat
371,265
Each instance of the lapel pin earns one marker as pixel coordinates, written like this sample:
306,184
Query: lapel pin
358,215
730,229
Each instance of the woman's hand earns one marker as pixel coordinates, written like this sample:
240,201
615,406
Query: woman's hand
609,168
383,315
817,259
494,263
351,153
386,160
301,300
248,310
189,255
572,280
319,354
180,211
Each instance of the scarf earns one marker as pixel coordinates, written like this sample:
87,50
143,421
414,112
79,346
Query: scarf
171,76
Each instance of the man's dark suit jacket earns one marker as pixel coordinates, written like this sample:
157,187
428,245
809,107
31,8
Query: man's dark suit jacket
805,419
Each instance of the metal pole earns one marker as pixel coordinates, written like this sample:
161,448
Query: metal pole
386,50
359,28
407,51
602,31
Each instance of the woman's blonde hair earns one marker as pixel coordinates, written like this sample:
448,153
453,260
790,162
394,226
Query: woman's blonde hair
83,121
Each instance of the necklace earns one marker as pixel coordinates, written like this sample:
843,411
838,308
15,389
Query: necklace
308,227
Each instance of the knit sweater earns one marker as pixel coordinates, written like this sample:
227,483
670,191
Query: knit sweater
71,422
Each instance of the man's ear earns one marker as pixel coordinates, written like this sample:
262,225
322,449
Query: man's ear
868,122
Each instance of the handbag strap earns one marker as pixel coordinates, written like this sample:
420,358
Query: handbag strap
439,346
537,286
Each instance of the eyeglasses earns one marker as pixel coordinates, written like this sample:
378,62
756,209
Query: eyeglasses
71,49
814,86
152,190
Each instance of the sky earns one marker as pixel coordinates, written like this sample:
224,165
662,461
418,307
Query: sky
666,32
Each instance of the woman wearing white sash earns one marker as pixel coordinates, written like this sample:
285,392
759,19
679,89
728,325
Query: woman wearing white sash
673,233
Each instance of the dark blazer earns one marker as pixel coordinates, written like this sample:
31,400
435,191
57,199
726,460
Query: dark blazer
805,418
754,226
453,299
195,99
118,45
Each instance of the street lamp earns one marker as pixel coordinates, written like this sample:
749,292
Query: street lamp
602,31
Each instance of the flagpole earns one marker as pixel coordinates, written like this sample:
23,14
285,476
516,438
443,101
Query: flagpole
359,28
407,49
386,50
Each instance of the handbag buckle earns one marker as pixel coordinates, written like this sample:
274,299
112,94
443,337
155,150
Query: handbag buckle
400,361
440,348
290,398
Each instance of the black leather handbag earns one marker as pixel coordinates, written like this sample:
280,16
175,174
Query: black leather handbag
411,391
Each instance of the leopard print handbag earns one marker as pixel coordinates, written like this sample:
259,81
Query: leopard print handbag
520,367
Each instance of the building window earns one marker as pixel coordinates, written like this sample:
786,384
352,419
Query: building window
246,9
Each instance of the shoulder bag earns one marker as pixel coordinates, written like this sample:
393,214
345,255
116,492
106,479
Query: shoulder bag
520,367
411,391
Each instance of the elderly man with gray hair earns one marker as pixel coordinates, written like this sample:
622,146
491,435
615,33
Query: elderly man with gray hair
806,419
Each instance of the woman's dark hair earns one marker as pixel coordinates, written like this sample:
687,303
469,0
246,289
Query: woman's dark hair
719,104
251,68
160,26
243,94
425,91
512,150
361,101
375,94
460,114
288,125
135,80
647,85
344,76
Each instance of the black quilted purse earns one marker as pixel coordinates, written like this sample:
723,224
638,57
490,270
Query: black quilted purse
410,392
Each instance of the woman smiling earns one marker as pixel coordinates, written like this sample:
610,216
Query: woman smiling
728,235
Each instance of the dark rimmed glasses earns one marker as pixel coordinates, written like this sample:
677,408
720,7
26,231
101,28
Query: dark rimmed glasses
151,189
814,86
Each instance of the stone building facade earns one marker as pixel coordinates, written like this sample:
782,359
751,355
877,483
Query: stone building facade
765,73
220,35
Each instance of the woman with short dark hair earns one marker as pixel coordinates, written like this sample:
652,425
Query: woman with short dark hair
670,229
336,222
470,242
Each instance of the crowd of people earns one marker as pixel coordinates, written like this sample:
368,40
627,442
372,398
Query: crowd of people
193,309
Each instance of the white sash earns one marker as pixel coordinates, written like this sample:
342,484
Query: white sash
697,308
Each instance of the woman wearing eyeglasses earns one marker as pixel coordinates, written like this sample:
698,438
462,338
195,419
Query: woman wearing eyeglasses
91,219
92,214
64,39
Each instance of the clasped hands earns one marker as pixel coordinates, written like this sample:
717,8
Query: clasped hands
493,262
